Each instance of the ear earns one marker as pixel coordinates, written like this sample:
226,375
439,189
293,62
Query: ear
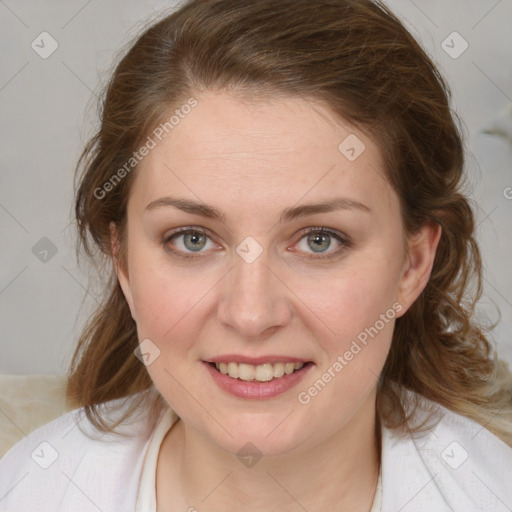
418,264
122,272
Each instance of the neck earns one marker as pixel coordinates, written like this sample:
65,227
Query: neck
340,473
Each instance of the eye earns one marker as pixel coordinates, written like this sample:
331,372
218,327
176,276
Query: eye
320,239
190,240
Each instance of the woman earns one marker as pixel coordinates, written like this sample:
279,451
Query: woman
276,188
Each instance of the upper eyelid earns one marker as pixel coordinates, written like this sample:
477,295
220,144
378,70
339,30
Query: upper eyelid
342,238
206,231
185,230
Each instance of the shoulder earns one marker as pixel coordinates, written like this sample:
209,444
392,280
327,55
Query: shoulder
68,465
456,465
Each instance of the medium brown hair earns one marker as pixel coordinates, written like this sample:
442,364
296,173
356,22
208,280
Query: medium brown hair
357,58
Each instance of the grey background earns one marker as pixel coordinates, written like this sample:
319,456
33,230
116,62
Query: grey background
48,112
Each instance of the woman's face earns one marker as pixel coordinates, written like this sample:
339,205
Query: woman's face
254,284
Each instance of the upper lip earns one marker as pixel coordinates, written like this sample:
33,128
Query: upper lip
239,358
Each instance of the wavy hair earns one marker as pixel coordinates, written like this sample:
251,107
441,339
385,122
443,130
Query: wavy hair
357,58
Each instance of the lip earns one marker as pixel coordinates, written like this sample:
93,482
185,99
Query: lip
256,390
238,358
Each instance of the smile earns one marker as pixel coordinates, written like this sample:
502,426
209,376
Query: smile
261,373
256,381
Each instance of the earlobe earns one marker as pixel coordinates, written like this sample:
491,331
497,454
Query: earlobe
419,262
122,273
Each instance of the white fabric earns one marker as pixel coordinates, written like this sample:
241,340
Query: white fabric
146,499
377,499
459,466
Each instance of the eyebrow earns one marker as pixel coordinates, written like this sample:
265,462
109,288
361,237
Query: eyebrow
211,212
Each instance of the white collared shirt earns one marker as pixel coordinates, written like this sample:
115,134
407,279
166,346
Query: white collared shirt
66,466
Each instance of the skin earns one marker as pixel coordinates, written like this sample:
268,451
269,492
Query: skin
253,159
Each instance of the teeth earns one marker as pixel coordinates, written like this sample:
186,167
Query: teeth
261,373
232,370
288,368
246,372
264,372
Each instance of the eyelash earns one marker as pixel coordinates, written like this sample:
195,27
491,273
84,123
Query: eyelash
345,242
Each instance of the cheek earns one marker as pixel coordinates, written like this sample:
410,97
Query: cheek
155,297
358,310
169,301
354,314
163,305
351,300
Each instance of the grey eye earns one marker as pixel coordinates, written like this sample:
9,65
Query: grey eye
319,241
194,241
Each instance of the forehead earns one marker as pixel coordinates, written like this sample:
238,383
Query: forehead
284,148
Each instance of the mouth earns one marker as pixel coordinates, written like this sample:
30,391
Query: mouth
265,372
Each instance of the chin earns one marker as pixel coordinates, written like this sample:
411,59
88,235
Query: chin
264,434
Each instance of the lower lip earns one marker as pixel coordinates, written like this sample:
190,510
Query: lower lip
254,389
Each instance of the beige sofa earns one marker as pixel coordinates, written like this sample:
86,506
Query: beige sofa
27,402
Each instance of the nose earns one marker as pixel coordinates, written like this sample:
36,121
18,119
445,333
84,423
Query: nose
254,301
